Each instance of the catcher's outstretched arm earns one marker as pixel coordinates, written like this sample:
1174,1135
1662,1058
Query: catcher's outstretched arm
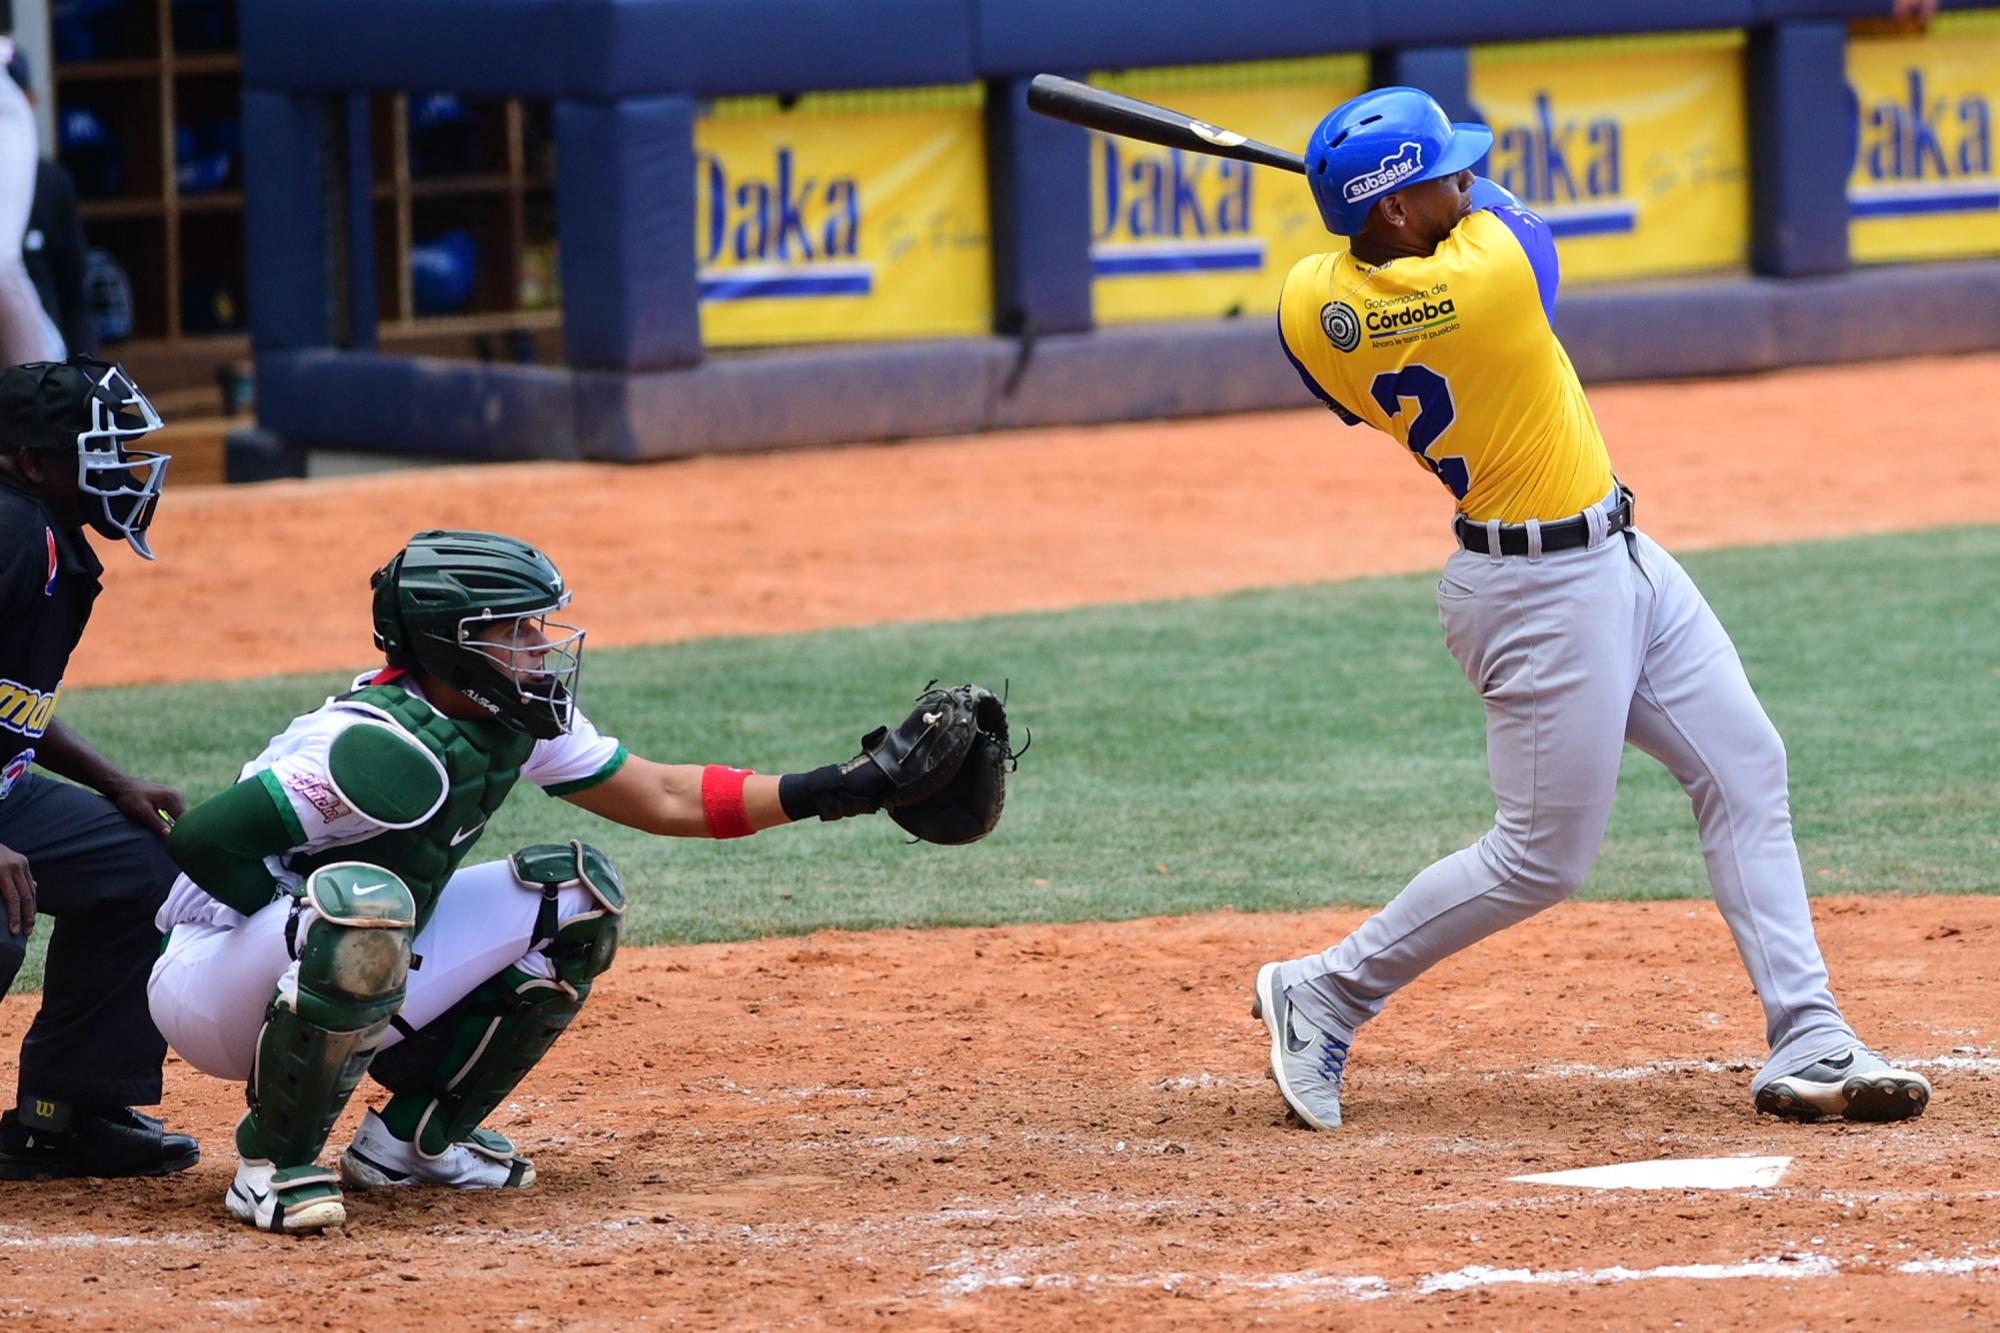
906,769
717,801
679,800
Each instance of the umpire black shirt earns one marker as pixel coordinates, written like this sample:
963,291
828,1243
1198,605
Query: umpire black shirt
49,577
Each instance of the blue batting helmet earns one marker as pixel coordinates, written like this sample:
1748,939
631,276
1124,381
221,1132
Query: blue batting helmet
1380,142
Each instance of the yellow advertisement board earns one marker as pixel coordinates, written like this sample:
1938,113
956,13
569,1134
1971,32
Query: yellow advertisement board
1179,235
843,217
1923,184
1636,150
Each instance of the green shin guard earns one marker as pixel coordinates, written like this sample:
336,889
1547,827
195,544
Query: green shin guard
450,1075
354,957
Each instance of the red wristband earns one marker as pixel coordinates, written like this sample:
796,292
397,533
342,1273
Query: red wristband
722,801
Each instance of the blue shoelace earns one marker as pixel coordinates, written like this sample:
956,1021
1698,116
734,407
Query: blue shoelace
1332,1060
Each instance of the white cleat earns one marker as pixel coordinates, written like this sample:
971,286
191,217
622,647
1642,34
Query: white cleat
1857,1084
483,1160
290,1200
1306,1064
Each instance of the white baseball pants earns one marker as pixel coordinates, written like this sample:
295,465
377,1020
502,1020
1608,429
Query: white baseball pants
211,986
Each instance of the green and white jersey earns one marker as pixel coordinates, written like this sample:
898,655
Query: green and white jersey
300,772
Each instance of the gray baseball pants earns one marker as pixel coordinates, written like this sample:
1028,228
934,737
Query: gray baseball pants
1576,653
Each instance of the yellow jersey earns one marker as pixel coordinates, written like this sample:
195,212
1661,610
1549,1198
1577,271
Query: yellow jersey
1453,354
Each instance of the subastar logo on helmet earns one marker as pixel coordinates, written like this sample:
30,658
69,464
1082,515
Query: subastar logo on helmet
1398,167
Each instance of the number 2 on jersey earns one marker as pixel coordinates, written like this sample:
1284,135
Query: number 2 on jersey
1435,414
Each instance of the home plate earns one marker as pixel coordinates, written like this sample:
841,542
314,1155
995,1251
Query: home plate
1672,1173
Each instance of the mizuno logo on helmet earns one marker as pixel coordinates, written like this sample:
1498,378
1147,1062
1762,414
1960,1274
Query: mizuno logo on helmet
1398,167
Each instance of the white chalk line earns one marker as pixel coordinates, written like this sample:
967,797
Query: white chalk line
1963,1060
971,1275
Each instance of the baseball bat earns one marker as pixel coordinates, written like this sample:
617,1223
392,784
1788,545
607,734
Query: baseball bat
1128,117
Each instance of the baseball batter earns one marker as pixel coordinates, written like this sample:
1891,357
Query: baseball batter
323,927
1578,631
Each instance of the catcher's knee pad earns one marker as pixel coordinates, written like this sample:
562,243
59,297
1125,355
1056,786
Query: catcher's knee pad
449,1075
350,932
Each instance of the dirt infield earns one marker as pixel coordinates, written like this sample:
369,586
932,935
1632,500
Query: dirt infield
1039,1126
1044,1126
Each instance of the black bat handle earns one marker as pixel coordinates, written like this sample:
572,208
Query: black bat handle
1114,113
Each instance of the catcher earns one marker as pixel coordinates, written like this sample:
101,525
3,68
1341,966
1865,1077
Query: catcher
323,927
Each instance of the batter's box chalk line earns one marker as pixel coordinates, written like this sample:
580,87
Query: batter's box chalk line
1671,1173
973,1275
1963,1060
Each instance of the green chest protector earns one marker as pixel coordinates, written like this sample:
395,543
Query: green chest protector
479,764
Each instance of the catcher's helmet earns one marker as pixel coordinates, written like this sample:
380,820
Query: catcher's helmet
91,409
1379,143
471,609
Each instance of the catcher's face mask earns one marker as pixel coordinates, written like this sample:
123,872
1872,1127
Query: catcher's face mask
534,662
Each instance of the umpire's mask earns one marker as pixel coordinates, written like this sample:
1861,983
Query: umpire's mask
93,408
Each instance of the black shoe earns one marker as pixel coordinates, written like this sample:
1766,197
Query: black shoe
100,1141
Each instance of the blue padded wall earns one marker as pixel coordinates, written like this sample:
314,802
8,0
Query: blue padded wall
1800,148
1137,371
1445,72
1440,22
499,48
625,211
1029,36
284,220
624,75
1872,9
613,48
818,396
715,47
1039,180
606,48
811,396
360,181
1890,310
434,409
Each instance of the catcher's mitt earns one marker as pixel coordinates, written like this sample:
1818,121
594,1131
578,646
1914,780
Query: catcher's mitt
961,801
923,751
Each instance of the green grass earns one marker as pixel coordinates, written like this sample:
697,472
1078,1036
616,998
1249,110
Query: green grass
1266,751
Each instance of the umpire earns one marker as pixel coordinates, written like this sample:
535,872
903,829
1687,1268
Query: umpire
94,860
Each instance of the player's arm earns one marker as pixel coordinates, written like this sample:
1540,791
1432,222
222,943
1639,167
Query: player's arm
667,798
717,801
1291,305
1528,228
222,844
349,779
66,754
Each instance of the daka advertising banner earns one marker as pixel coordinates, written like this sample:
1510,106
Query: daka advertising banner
843,217
1180,235
1923,184
1636,150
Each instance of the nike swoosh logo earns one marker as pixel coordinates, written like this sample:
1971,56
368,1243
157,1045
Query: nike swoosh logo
1292,1042
362,890
465,833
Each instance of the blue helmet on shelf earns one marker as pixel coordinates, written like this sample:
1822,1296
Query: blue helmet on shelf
1379,143
443,269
